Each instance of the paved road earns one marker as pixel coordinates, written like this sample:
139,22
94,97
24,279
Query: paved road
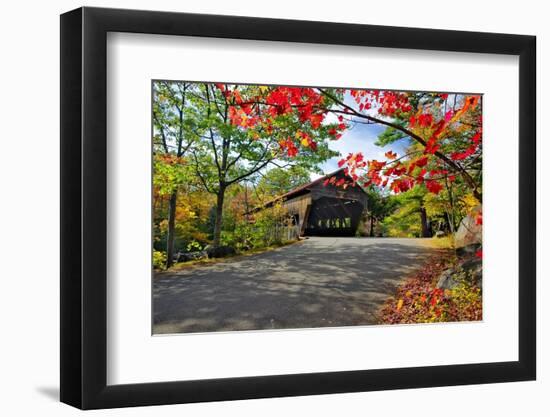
319,282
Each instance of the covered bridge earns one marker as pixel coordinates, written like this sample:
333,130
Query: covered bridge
322,208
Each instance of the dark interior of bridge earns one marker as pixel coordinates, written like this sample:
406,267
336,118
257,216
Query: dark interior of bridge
333,217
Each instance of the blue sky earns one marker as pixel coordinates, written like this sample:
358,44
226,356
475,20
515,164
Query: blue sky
360,138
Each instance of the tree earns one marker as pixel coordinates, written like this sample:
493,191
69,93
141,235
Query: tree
279,181
380,205
409,216
446,131
173,136
191,218
246,128
230,133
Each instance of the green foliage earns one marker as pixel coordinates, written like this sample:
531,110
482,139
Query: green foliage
267,224
194,246
380,205
228,134
169,173
278,181
390,135
239,237
405,220
267,227
444,210
226,153
175,122
159,259
403,223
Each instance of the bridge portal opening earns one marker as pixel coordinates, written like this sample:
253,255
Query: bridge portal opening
332,216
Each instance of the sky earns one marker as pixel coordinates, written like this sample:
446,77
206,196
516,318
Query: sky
358,137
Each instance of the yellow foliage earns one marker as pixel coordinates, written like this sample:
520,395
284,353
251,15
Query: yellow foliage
470,202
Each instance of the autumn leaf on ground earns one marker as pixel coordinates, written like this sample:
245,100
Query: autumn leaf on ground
400,304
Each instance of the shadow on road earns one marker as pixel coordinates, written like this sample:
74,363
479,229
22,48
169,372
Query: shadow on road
318,283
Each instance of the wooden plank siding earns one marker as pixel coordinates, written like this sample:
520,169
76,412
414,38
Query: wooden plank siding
297,208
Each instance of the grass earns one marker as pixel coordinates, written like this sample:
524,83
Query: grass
180,266
445,242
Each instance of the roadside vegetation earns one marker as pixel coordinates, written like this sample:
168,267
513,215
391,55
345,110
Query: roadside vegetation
421,300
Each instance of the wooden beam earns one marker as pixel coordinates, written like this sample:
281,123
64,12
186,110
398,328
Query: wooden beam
305,219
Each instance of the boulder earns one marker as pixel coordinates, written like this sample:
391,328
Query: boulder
220,251
468,250
191,256
470,269
446,280
473,268
469,232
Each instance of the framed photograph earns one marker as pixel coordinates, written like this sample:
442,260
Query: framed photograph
258,208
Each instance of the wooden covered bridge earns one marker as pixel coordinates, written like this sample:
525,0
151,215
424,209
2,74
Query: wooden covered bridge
324,208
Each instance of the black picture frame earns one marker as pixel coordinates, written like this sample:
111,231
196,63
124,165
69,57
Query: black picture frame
84,207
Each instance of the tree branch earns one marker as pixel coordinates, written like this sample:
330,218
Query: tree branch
454,166
198,171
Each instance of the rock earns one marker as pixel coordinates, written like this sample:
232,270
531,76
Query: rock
468,250
439,233
446,280
220,251
245,247
474,270
470,269
469,232
191,256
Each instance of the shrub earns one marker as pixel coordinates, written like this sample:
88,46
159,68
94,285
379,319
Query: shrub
159,259
268,227
194,246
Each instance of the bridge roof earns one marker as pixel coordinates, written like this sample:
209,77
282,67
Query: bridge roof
306,188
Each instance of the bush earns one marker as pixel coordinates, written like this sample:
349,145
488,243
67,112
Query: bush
194,246
159,259
267,228
239,238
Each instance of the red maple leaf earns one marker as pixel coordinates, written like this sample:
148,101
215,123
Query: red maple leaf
421,162
433,186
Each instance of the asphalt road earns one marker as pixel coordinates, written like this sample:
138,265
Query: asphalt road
320,282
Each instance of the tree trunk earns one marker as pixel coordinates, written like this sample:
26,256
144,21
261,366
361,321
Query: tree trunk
450,222
219,217
425,226
371,232
451,212
171,228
